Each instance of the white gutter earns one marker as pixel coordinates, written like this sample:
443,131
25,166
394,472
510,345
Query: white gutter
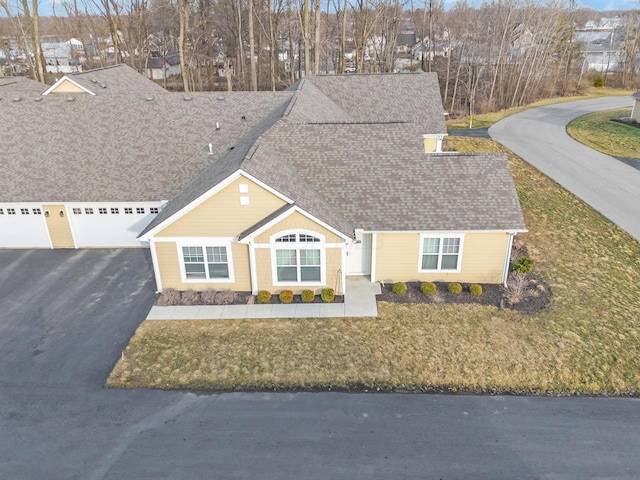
252,267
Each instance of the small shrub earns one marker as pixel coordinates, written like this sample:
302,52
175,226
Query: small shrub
208,296
225,297
308,296
475,290
598,81
286,296
264,296
523,265
428,288
517,287
190,297
454,287
170,296
327,295
399,288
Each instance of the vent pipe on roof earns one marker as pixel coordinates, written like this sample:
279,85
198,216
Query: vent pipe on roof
211,149
217,126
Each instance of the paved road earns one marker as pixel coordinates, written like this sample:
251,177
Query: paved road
609,185
65,315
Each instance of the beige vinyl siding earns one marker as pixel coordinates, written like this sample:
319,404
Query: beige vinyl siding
58,226
67,87
297,221
398,256
430,144
222,215
171,277
333,258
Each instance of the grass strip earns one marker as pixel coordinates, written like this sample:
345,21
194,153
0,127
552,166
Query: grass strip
598,131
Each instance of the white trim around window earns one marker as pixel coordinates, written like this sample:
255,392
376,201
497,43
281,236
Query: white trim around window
208,260
296,254
440,252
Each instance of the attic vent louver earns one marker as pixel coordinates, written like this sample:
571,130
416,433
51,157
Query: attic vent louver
37,99
70,99
220,97
149,98
103,85
16,99
187,98
94,80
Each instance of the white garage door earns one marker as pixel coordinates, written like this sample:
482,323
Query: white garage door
110,224
23,226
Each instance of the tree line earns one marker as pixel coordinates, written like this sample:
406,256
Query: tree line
501,54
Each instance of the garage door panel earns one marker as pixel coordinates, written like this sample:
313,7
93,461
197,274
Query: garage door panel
23,230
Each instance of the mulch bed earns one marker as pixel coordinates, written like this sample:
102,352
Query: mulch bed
537,299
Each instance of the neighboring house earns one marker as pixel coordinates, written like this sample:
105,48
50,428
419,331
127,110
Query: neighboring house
635,112
161,67
337,176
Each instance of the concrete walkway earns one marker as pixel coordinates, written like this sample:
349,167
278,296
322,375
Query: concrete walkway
359,301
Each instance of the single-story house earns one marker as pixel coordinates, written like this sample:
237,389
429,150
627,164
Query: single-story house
337,176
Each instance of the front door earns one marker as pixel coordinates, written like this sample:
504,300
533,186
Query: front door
359,255
58,226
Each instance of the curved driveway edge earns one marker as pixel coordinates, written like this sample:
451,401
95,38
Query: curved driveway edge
538,136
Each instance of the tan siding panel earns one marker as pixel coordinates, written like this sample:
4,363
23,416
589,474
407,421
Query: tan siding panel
297,221
430,144
222,215
169,265
58,226
397,257
67,87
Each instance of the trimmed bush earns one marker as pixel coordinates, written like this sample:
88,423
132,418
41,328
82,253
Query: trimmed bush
263,296
475,290
523,265
286,296
191,297
308,296
170,296
327,295
428,288
399,288
454,287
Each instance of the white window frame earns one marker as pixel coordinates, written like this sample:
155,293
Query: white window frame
297,246
441,237
204,243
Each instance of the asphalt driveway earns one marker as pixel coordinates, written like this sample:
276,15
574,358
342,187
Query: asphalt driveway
66,314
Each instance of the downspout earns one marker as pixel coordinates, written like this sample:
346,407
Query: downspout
374,241
252,268
156,267
507,259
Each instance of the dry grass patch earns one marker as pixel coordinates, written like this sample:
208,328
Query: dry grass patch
587,342
596,130
485,120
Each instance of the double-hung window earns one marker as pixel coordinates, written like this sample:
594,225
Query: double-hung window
298,259
206,263
440,253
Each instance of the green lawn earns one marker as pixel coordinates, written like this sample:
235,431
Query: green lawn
596,130
485,120
587,342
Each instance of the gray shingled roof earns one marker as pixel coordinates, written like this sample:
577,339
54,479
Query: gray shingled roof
116,79
381,98
380,179
12,87
122,147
